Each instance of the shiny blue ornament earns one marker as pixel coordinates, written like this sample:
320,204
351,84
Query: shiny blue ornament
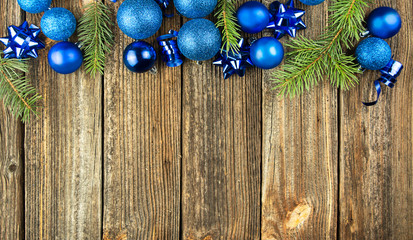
139,56
266,53
139,19
384,22
285,19
199,39
311,2
22,42
65,57
195,8
253,17
170,51
58,24
34,6
373,53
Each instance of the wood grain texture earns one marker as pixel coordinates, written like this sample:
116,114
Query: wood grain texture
376,187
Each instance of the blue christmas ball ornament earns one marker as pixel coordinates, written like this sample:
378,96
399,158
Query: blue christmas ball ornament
311,2
384,22
195,8
34,6
199,39
139,56
373,53
58,24
65,57
139,19
266,53
253,17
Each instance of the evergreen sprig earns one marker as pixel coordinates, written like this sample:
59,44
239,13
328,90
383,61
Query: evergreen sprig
312,60
18,95
227,21
95,36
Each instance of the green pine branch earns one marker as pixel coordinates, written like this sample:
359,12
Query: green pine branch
310,61
227,21
18,95
95,36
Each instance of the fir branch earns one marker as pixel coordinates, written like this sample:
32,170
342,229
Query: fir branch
227,20
95,36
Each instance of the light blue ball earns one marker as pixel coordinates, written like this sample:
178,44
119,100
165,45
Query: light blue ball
139,19
34,6
311,2
58,24
199,39
373,53
195,8
266,53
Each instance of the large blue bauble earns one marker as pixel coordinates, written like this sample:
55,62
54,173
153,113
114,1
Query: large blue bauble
373,53
139,56
199,39
34,6
311,2
139,19
195,8
58,24
384,22
253,17
65,57
266,53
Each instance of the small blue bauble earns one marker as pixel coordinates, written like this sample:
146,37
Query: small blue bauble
34,6
139,19
253,17
58,24
311,2
384,22
199,39
266,53
373,53
139,56
65,57
195,8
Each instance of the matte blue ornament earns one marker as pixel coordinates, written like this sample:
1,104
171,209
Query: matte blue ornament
266,53
195,8
22,42
65,57
285,19
199,39
139,19
139,56
384,22
34,6
58,24
373,53
311,2
253,17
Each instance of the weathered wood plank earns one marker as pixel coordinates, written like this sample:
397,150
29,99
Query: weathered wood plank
142,145
376,190
64,151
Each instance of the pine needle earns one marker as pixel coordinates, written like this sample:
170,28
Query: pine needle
227,20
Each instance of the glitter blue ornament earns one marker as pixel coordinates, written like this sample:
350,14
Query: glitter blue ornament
266,53
311,2
65,57
34,6
199,39
139,56
373,53
253,17
285,19
139,19
22,42
195,8
384,22
58,24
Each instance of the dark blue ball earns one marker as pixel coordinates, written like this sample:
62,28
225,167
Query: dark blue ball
373,53
199,39
266,53
195,8
311,2
139,19
58,24
34,6
384,22
139,56
253,17
65,57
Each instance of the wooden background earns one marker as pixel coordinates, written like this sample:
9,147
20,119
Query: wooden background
186,154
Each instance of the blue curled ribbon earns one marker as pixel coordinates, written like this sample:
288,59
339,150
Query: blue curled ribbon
389,74
285,19
170,51
162,3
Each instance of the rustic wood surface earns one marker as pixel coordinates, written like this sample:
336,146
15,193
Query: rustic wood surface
185,154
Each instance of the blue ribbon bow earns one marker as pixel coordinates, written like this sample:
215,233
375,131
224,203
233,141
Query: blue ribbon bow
170,51
285,19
